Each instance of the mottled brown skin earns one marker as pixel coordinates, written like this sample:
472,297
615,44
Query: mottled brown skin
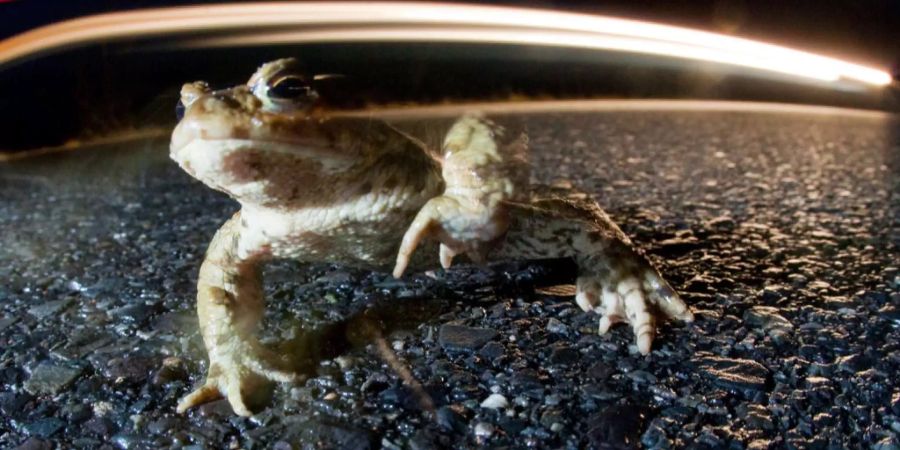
314,187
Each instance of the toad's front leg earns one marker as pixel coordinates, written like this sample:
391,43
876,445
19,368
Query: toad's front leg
484,166
613,279
230,306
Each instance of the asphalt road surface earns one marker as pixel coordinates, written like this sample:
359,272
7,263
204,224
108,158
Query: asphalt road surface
779,225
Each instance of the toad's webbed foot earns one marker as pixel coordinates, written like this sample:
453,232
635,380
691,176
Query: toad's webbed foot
241,371
631,292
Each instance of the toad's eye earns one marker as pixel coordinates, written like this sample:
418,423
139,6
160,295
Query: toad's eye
285,93
292,88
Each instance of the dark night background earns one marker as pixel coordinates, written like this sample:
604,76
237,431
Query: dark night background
98,90
864,31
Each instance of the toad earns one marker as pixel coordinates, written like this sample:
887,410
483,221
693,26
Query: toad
314,185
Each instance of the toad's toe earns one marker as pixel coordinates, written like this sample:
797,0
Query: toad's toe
587,293
242,373
642,322
661,295
446,255
611,310
204,394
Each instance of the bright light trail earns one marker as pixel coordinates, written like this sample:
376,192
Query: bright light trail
535,37
261,23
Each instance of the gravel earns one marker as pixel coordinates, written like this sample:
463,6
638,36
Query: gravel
737,375
50,378
457,337
495,401
780,228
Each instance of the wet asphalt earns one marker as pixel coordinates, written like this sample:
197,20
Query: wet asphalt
780,227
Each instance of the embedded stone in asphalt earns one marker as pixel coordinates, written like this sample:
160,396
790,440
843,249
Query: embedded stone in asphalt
50,378
49,308
617,426
495,401
45,427
767,318
6,322
734,374
458,337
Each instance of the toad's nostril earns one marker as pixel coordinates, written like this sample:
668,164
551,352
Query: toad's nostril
227,99
179,110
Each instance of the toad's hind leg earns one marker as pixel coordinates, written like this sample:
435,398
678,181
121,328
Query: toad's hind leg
230,307
613,279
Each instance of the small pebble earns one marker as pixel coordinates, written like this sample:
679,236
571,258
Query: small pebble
484,430
495,401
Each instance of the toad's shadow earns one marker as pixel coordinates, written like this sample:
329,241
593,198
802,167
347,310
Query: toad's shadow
372,320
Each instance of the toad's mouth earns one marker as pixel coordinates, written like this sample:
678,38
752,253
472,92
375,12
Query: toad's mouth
220,131
202,157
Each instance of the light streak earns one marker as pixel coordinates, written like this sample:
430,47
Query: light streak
534,37
260,23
